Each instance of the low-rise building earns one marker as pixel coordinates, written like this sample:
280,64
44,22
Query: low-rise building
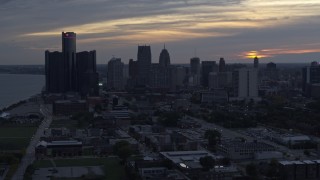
300,170
58,149
237,150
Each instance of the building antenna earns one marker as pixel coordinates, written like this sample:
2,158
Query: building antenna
195,52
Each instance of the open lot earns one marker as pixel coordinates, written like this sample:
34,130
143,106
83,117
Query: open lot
110,166
15,138
67,123
68,172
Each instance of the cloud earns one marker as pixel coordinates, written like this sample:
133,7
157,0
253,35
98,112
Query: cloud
215,27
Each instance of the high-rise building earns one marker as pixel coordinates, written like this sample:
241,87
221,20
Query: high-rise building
194,74
222,65
256,62
271,71
310,76
220,80
159,74
178,76
133,73
126,76
206,68
68,71
86,66
144,65
164,59
69,56
55,68
195,66
245,83
115,74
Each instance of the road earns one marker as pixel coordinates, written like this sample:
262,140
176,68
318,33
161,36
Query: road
29,157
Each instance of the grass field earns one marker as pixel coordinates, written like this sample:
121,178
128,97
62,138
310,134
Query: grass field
15,138
111,166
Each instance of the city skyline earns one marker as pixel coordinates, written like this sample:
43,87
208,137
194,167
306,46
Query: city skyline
238,30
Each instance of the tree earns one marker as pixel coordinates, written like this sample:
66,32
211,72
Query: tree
251,170
123,150
169,119
273,169
207,162
306,152
225,161
213,136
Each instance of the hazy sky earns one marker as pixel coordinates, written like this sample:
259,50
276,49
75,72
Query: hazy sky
276,30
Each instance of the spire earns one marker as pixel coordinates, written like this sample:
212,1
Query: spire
164,46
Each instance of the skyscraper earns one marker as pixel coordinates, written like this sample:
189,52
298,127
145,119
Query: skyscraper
55,68
133,73
144,65
222,65
115,74
271,71
206,68
194,78
86,72
195,66
178,76
164,59
68,71
69,56
256,62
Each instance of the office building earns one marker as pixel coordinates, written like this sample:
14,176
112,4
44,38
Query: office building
159,76
69,56
133,73
245,83
272,71
194,74
115,74
68,71
55,77
178,76
220,80
144,65
195,66
206,68
86,73
256,62
164,59
222,65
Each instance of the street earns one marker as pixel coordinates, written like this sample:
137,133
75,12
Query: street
29,157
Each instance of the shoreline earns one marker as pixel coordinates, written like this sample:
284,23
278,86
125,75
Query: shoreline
8,73
16,104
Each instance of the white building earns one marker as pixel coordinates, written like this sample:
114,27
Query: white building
245,84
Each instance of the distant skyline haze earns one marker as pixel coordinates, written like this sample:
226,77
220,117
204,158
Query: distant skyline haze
282,31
